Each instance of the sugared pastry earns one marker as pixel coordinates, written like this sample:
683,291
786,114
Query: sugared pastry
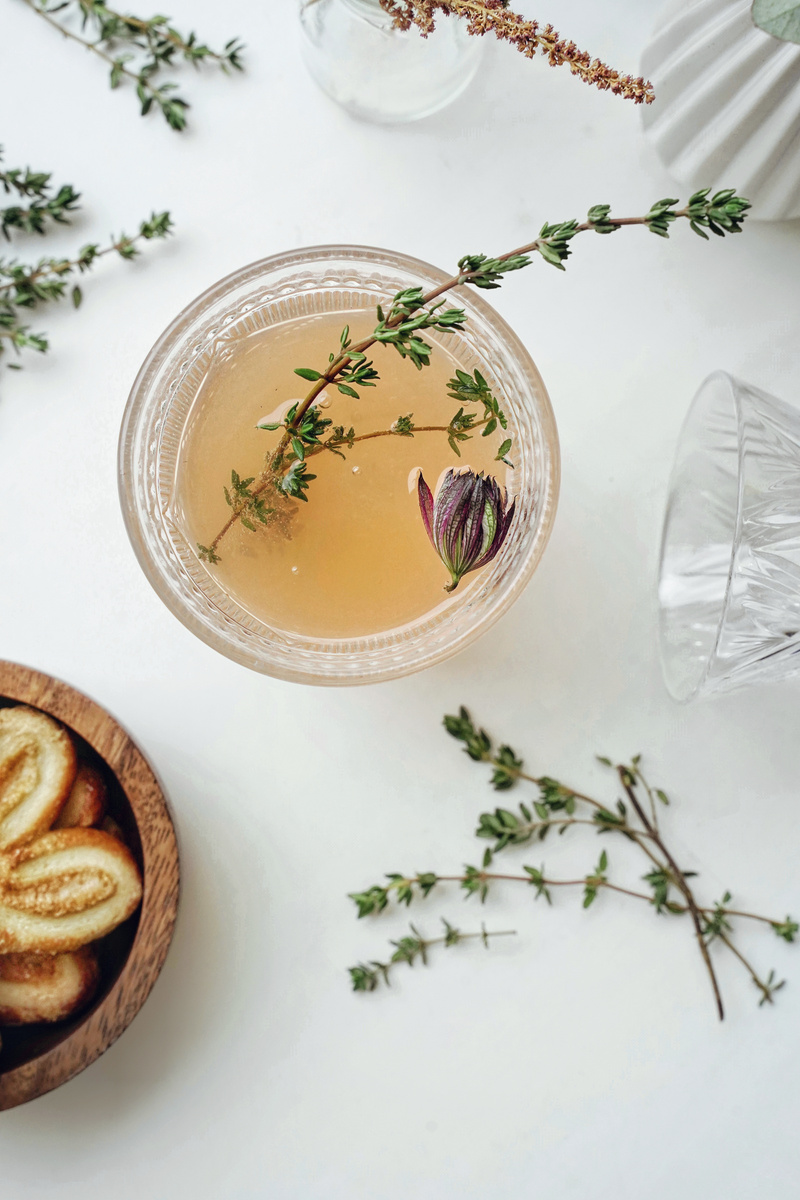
86,803
46,987
64,889
37,771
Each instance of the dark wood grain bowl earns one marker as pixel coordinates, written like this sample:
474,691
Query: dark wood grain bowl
37,1058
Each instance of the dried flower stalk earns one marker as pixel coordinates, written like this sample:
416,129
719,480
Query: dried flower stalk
529,37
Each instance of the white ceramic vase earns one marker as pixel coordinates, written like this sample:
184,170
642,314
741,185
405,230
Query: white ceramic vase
727,108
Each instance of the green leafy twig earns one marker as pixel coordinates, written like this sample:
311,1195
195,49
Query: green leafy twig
478,880
42,204
412,312
555,808
27,286
137,49
307,438
365,977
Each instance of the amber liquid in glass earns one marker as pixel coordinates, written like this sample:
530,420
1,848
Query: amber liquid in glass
355,559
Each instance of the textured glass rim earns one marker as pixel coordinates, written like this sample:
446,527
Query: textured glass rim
179,332
732,387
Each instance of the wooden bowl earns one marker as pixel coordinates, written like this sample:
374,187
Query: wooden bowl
37,1058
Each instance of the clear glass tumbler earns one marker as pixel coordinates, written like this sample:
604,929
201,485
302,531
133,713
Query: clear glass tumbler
380,73
288,286
729,579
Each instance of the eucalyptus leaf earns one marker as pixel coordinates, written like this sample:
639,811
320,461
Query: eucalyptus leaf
781,18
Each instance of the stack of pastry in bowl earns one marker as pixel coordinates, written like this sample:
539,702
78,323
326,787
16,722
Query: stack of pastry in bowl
66,876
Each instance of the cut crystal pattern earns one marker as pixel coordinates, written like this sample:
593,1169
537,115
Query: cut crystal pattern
729,586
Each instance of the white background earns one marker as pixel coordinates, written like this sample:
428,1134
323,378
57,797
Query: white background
582,1059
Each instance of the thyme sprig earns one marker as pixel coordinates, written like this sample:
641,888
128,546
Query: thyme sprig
29,285
529,37
137,49
412,312
559,807
366,977
42,203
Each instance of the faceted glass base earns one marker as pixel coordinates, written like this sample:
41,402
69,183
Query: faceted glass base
729,580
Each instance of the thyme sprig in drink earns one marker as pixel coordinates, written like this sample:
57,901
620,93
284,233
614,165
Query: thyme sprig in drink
258,500
355,559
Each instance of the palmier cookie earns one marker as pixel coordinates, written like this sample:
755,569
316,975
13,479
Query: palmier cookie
46,987
37,770
64,889
86,802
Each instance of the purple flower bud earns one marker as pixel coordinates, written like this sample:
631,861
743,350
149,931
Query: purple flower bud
467,522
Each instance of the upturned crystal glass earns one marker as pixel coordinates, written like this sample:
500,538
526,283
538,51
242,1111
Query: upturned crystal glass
286,287
380,73
729,579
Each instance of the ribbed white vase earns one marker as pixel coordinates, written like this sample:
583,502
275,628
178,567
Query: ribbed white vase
727,107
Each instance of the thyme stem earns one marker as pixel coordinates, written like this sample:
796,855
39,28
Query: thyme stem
481,876
26,286
365,977
680,882
154,44
343,361
366,437
59,267
764,987
722,213
164,32
87,45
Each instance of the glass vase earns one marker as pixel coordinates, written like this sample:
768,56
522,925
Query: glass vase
729,582
380,73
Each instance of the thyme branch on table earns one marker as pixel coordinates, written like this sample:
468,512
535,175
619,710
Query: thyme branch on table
527,36
138,49
411,313
35,201
365,977
24,286
558,807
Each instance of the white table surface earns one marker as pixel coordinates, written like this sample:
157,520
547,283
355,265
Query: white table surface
584,1059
